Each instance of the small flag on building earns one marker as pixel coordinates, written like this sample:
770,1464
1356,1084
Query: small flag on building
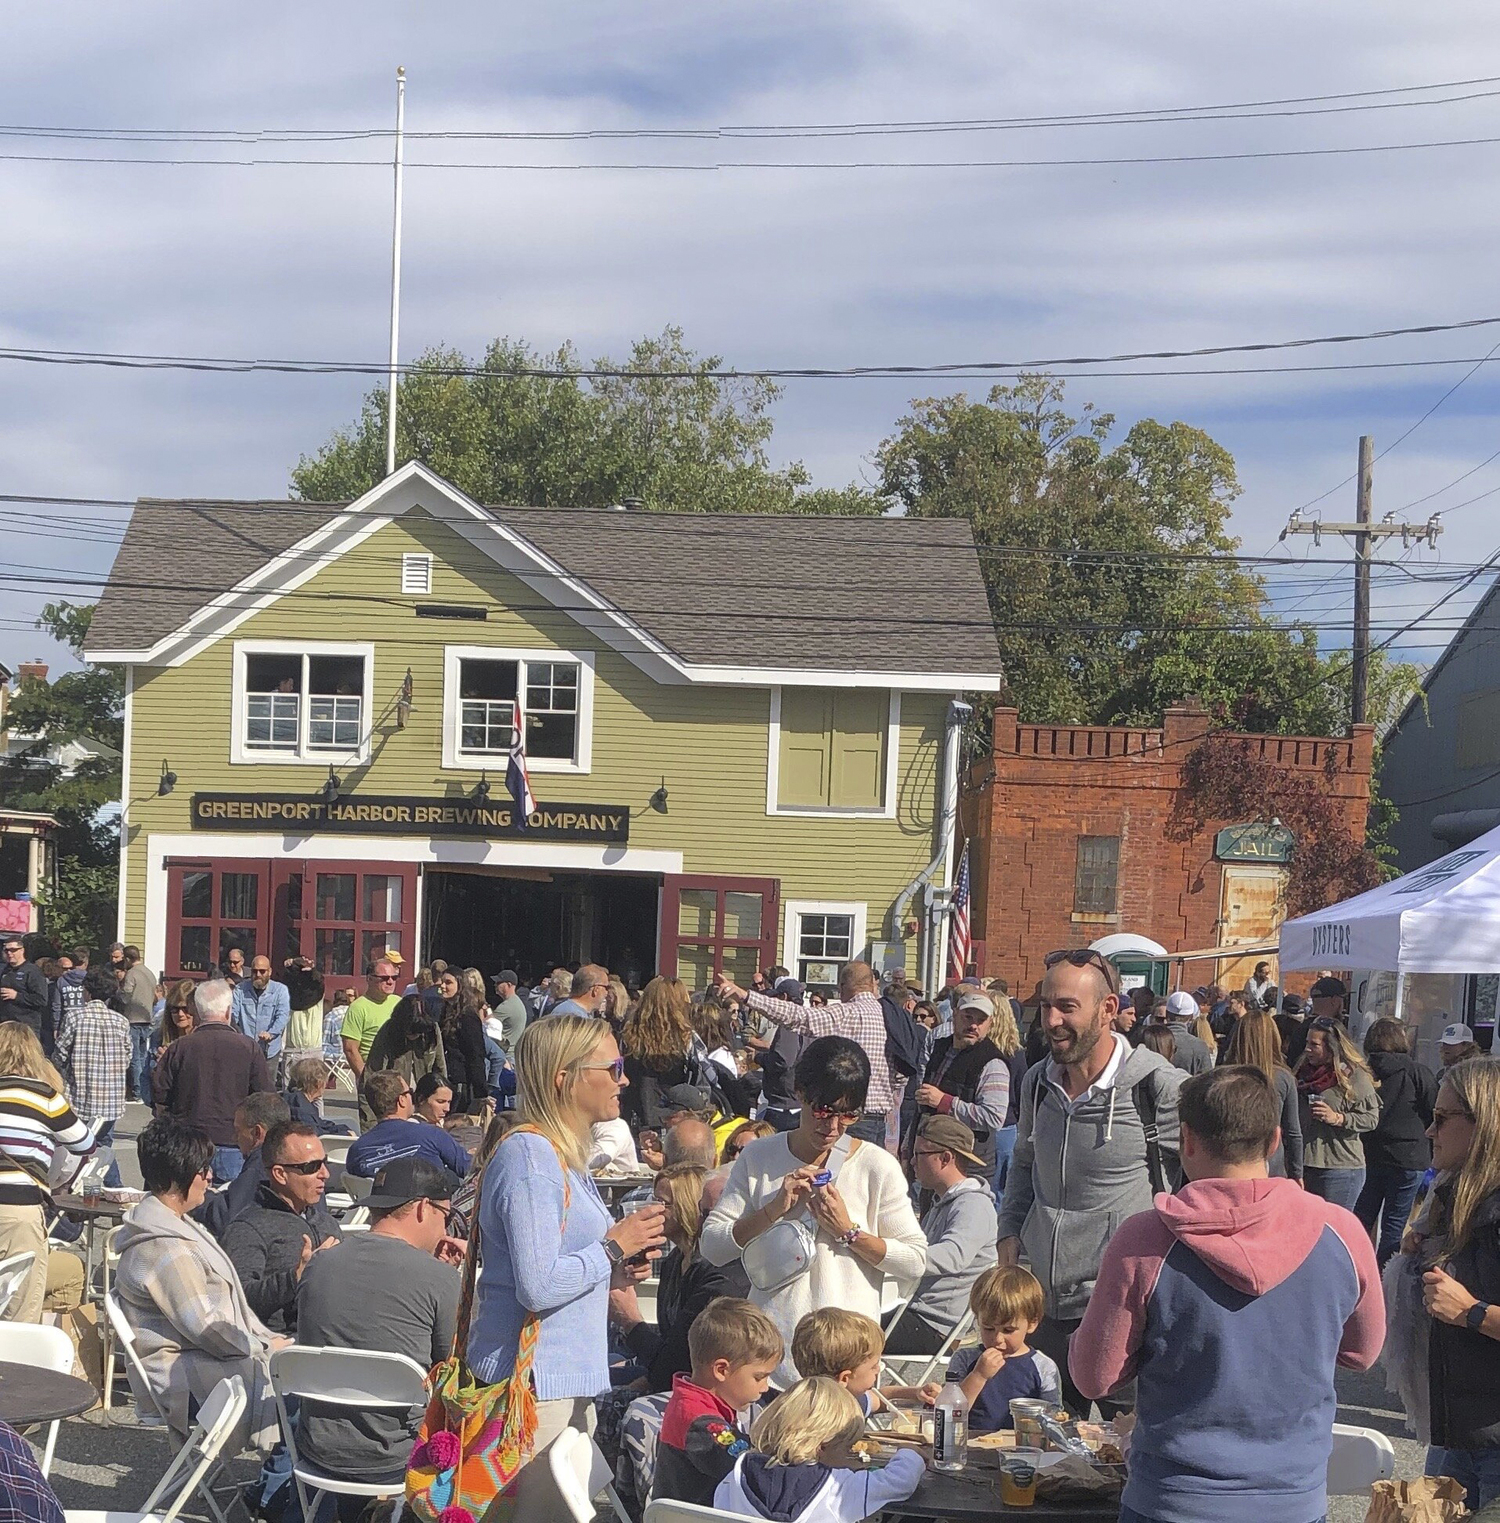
518,782
959,944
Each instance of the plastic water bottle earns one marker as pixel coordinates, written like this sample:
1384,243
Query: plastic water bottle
950,1429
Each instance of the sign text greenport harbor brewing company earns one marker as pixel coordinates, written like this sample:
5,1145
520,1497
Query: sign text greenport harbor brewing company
296,814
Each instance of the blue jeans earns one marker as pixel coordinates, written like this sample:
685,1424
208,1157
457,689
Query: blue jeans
140,1062
869,1128
1340,1187
227,1164
1386,1199
105,1136
1477,1469
1005,1145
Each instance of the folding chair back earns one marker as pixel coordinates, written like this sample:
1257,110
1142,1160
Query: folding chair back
356,1187
663,1511
918,1369
42,1348
124,1335
14,1272
1360,1457
581,1473
198,1459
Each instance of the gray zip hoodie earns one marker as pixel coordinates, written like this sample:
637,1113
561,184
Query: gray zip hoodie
960,1232
1080,1170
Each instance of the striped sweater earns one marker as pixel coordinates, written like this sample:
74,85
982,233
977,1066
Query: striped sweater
34,1122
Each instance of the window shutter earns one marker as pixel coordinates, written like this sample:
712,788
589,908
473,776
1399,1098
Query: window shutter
416,575
858,733
806,762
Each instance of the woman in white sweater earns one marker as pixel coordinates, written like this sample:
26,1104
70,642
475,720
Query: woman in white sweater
865,1225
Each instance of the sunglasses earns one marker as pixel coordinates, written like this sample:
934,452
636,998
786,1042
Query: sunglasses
1085,957
831,1112
1441,1118
385,978
616,1069
309,1168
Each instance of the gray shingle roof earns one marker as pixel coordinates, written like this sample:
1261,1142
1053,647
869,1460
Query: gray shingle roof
874,594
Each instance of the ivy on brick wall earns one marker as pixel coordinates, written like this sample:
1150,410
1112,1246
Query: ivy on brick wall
1225,779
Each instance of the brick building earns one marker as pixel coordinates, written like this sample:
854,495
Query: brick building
1069,843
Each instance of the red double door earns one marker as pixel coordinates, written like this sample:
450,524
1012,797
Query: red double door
339,914
711,925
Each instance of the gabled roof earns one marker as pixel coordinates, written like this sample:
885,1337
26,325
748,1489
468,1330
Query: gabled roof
690,597
1430,676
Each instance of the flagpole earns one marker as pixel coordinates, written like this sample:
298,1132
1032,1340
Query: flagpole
390,422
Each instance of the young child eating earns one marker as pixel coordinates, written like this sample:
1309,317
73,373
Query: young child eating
804,1468
734,1347
844,1346
1008,1306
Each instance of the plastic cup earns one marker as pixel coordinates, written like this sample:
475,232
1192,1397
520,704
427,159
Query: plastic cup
1018,1471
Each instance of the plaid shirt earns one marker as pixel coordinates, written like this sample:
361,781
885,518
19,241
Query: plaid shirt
93,1049
25,1496
860,1019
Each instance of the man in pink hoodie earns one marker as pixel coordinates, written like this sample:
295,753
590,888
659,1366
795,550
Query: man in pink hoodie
1230,1304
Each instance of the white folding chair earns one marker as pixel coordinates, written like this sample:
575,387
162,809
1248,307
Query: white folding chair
356,1219
43,1348
363,1379
123,1337
14,1272
580,1472
918,1369
1360,1457
663,1511
356,1187
195,1464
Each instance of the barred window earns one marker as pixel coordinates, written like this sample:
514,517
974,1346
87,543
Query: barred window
1096,879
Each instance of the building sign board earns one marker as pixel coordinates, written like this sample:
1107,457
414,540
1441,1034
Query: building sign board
297,814
1254,842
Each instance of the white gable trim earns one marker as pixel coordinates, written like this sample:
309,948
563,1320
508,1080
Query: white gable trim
405,490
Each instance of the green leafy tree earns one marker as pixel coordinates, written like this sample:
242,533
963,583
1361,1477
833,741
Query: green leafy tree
675,436
85,705
81,910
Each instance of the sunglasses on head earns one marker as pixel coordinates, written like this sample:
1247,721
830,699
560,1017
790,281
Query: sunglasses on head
1085,957
310,1167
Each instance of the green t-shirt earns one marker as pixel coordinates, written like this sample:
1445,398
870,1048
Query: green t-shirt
364,1017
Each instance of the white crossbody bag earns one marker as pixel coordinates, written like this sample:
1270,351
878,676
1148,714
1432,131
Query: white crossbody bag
784,1251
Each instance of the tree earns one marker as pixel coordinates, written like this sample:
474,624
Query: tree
1107,565
677,438
85,705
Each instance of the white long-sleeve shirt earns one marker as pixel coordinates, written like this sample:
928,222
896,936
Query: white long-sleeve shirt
874,1191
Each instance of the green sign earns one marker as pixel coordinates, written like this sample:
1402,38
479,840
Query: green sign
1254,843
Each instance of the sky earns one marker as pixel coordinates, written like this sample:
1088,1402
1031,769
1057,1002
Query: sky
811,266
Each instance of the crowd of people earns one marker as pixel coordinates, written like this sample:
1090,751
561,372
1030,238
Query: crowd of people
1178,1206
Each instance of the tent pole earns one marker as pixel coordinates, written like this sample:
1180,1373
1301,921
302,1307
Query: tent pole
1400,995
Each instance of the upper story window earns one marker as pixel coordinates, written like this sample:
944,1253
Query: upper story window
490,694
296,702
833,751
1096,876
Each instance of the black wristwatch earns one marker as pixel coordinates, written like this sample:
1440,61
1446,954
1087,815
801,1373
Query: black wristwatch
1474,1320
613,1252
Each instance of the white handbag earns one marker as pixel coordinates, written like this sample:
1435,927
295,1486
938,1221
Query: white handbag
784,1251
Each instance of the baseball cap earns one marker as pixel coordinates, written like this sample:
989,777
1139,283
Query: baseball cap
1291,1004
950,1134
507,976
1200,994
1456,1035
392,955
1182,1003
404,1180
1329,988
789,989
977,1001
685,1097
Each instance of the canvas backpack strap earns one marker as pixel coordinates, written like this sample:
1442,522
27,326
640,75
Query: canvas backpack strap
1145,1105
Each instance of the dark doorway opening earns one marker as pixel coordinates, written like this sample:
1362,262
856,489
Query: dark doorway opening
540,920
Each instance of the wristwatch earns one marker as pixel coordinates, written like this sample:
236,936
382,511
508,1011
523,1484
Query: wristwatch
1474,1320
613,1252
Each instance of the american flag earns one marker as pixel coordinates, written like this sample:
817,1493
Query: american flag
519,783
958,928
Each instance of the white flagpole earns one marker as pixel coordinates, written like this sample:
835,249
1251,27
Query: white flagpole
390,423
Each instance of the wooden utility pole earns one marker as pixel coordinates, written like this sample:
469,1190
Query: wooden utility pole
1364,533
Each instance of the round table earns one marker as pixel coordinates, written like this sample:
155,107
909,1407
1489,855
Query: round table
974,1492
29,1395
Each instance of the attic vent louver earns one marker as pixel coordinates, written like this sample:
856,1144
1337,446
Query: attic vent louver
416,575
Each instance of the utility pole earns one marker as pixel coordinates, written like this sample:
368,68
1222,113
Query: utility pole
390,421
1364,534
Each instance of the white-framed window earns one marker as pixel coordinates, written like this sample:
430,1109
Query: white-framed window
492,692
820,936
301,701
833,752
416,574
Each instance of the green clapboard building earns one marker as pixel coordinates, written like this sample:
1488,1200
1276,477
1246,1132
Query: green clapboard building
741,733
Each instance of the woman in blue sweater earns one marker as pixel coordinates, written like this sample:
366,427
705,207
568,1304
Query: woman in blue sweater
549,1246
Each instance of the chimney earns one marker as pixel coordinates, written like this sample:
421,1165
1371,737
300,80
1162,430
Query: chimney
31,671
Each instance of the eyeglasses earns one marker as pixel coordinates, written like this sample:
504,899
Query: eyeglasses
616,1069
930,1152
311,1167
1441,1118
15,949
831,1112
1085,957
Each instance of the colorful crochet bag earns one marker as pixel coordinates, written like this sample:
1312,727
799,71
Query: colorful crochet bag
475,1438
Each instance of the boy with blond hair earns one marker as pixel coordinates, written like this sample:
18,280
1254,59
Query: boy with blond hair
734,1347
844,1346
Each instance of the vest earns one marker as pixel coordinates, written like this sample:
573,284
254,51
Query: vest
962,1082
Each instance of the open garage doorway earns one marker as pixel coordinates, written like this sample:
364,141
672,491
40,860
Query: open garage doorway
535,919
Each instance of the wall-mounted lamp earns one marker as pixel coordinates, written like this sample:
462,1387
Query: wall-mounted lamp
403,701
481,788
658,800
330,789
167,781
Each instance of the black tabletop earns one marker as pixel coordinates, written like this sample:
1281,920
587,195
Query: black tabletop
76,1205
974,1492
29,1395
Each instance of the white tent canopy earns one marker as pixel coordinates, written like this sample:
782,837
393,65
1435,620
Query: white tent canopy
1443,918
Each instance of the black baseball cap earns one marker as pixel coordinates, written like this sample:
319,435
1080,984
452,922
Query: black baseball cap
685,1097
1329,988
404,1180
507,976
